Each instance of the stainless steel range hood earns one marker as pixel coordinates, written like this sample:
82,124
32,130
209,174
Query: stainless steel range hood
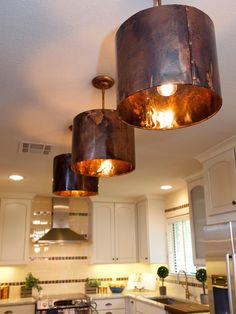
60,231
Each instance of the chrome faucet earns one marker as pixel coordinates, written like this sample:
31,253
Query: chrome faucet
187,292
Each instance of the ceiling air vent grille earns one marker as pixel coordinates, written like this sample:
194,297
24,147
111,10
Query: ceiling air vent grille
35,148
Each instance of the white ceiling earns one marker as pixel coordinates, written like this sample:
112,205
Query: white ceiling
49,52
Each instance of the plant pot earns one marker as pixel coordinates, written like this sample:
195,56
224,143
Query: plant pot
162,290
204,298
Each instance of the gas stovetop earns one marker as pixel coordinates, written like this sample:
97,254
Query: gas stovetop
77,300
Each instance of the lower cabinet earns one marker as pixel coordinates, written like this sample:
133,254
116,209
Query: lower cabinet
111,306
18,309
144,308
131,306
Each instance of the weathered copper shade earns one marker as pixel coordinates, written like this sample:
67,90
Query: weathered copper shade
102,144
69,183
170,44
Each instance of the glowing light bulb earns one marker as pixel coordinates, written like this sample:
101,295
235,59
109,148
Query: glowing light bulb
167,89
159,119
166,119
105,167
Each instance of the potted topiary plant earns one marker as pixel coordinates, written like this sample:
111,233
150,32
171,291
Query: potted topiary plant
162,273
201,276
30,283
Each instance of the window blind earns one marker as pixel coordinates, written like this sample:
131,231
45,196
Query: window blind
180,245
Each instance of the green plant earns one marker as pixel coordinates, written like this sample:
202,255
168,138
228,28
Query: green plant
201,275
162,273
32,282
93,282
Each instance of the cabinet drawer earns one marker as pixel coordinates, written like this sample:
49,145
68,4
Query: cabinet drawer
18,309
107,304
120,311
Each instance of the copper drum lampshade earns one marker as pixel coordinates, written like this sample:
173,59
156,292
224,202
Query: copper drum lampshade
69,183
167,68
102,144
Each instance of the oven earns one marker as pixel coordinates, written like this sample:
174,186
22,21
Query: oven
65,304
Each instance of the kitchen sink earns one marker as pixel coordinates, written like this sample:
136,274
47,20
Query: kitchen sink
166,300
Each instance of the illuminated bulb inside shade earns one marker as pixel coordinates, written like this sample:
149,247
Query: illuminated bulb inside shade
167,89
105,167
162,119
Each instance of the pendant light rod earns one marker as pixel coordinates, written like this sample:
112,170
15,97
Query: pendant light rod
103,82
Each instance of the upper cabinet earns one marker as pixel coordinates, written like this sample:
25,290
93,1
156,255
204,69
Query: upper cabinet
152,231
113,232
220,182
14,231
197,212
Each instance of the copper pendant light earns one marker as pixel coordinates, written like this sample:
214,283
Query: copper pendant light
167,68
102,145
69,183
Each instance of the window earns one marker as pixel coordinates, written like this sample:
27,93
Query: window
180,245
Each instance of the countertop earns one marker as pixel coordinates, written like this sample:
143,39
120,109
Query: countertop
183,308
17,301
180,308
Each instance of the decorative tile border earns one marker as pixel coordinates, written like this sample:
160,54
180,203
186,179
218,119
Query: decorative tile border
57,258
176,208
61,281
191,284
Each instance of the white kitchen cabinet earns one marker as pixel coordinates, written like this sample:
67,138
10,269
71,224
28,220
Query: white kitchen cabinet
220,186
18,309
14,231
144,308
131,306
111,306
197,212
113,232
152,231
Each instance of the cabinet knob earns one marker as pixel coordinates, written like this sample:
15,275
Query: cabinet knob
132,302
234,203
108,313
113,258
108,304
8,312
146,258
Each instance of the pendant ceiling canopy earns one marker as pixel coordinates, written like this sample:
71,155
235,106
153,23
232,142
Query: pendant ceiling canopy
167,68
69,183
102,144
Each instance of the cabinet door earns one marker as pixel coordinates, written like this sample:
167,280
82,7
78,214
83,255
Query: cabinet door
131,306
144,308
220,183
142,232
197,219
152,231
102,233
18,309
125,235
14,231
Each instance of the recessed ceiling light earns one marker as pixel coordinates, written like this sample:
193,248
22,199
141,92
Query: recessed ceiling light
166,187
16,177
